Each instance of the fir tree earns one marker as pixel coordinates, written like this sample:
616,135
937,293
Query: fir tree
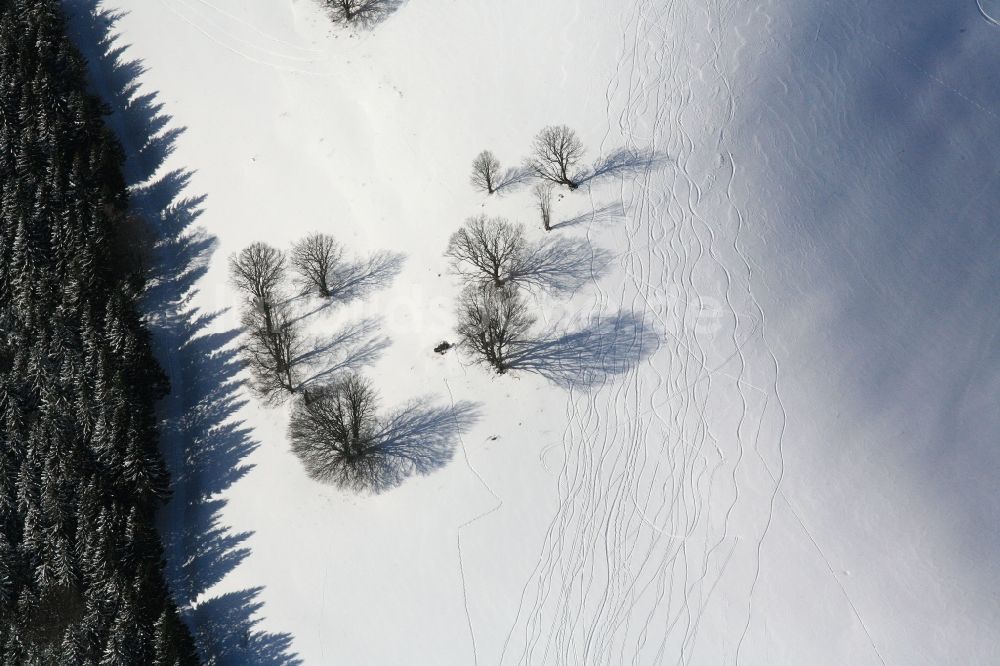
81,474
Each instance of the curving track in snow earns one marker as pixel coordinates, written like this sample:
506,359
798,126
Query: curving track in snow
661,461
243,38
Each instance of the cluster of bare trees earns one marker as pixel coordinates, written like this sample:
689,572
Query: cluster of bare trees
555,161
335,428
493,257
273,340
259,271
496,261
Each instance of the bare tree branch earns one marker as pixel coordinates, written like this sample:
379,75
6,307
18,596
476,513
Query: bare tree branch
333,430
487,250
315,260
492,321
272,340
486,174
258,270
557,151
272,345
365,13
414,439
543,197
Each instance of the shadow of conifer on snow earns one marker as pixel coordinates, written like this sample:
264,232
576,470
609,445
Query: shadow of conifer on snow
204,443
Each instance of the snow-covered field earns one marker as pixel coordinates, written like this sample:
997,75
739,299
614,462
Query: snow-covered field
770,432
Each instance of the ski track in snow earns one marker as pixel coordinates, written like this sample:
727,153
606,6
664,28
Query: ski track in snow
641,538
644,532
986,14
221,28
271,38
463,526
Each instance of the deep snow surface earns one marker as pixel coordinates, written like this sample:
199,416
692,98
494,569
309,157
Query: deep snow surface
771,433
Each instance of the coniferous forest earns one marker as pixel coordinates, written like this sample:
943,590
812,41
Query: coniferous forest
81,474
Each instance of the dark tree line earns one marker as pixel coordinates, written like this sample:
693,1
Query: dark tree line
81,474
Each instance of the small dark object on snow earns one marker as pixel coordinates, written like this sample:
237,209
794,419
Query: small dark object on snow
443,347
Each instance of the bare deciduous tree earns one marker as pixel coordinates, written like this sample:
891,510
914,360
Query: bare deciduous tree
315,259
492,323
333,431
362,12
486,172
556,152
543,197
259,270
272,345
488,249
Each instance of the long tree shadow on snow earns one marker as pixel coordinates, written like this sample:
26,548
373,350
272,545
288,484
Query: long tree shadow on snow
419,439
205,446
355,280
354,346
359,279
562,265
623,162
599,216
606,347
513,178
